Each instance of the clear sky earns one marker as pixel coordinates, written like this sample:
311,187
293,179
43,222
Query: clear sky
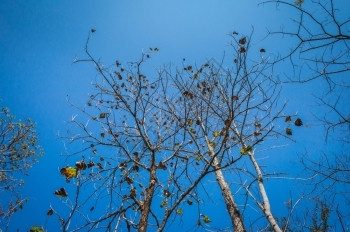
39,40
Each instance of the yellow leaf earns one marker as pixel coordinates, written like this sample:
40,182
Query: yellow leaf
245,150
162,204
206,219
69,172
212,144
190,121
216,133
179,211
195,75
36,229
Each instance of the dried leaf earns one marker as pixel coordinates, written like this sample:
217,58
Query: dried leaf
162,166
234,98
49,212
188,68
288,119
242,41
166,193
91,164
36,229
242,50
190,121
289,131
81,165
246,150
206,219
179,211
69,172
61,192
298,122
162,204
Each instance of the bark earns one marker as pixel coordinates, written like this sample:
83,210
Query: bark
231,205
232,208
265,205
146,206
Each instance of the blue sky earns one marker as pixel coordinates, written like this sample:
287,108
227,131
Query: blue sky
39,40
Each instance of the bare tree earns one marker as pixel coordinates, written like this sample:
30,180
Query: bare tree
321,51
148,142
137,154
322,41
18,152
235,110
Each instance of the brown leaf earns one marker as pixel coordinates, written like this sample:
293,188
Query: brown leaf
81,165
298,122
242,41
61,192
288,119
91,164
166,193
162,166
257,133
50,212
289,131
188,68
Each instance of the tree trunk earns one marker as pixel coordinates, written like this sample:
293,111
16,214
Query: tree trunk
146,206
265,205
231,205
